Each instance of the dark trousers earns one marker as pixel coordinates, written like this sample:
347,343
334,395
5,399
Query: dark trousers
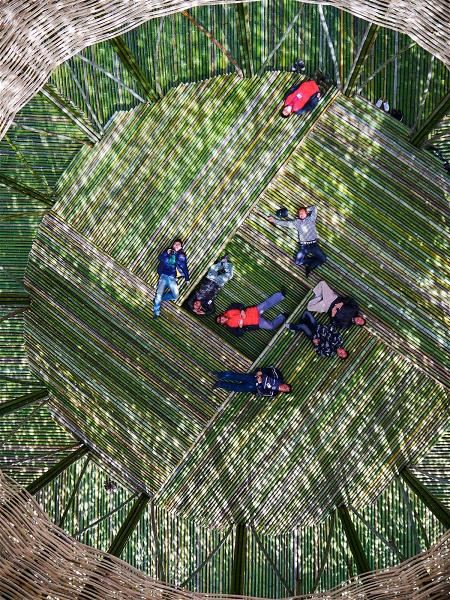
310,255
311,104
307,325
236,382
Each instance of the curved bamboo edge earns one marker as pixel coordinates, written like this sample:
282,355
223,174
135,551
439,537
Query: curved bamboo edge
38,558
38,36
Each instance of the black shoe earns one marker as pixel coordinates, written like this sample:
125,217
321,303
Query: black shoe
283,291
307,271
285,315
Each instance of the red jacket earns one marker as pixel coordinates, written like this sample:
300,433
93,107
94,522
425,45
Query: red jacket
234,316
302,95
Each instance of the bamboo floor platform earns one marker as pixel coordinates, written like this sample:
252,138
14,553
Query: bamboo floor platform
349,426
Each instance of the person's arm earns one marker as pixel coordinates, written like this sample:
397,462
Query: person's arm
312,212
163,255
182,265
237,331
228,267
290,223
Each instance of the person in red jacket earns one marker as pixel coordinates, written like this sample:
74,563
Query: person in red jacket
300,99
239,318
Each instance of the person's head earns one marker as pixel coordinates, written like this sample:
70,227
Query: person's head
302,212
198,308
286,111
342,353
359,320
177,245
221,319
284,388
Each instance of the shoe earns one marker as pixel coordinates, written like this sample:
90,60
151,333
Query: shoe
307,272
288,326
285,315
283,291
155,315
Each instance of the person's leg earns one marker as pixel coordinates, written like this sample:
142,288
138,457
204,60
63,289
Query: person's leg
232,386
236,377
315,258
323,297
303,328
269,302
265,324
301,254
173,287
309,320
161,286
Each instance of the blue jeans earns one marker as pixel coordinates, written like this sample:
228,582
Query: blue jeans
236,382
265,305
307,325
164,282
310,255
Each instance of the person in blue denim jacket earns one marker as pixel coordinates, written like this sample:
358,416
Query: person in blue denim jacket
172,262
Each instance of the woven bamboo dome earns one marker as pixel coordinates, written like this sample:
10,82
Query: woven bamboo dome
108,417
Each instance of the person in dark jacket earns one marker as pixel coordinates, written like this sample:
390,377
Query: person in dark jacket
326,339
172,262
342,310
201,302
301,98
263,382
239,318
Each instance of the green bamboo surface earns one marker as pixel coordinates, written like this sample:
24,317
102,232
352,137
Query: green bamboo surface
216,140
109,353
31,440
172,50
91,273
382,210
42,143
96,515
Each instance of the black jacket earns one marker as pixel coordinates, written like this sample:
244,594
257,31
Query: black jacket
345,315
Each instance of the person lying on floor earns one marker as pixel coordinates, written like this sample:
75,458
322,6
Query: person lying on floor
342,310
301,98
239,318
310,254
171,262
264,382
326,339
201,302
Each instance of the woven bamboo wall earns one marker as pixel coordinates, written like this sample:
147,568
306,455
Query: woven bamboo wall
39,558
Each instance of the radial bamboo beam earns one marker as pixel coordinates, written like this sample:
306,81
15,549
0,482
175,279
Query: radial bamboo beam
131,65
245,38
239,559
26,190
437,508
56,470
74,492
129,525
216,43
362,564
16,403
419,133
68,108
367,43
